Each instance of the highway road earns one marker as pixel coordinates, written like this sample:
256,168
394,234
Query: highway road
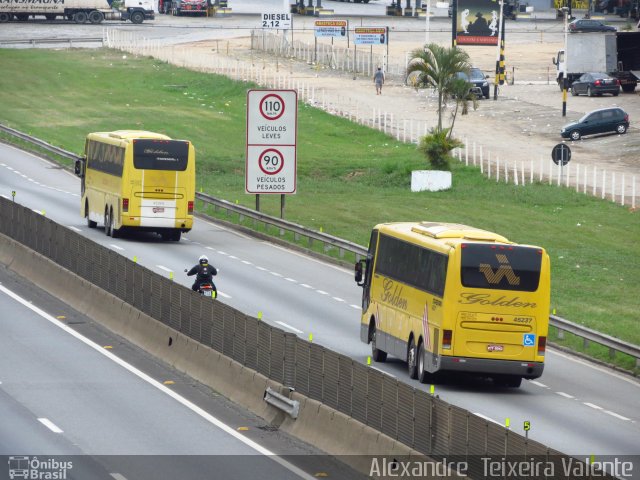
64,396
576,407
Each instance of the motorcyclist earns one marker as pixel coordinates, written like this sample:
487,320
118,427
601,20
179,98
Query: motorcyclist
204,274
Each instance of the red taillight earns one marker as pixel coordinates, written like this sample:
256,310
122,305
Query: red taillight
626,117
597,83
125,204
190,207
617,82
446,339
542,345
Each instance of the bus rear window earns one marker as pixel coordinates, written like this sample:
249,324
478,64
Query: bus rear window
160,154
501,267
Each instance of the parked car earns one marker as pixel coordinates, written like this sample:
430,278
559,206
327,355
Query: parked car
478,81
591,84
588,25
604,120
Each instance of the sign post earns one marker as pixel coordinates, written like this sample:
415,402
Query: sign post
272,123
561,155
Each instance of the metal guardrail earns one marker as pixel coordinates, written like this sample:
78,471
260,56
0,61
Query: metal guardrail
588,335
36,41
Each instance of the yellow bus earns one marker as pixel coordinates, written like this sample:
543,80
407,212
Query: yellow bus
137,180
452,298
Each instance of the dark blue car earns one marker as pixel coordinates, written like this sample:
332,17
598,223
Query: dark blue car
605,120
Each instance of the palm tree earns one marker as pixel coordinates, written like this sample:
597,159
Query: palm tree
437,67
460,90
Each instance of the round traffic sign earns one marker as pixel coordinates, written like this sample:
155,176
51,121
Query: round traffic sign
271,161
272,106
561,154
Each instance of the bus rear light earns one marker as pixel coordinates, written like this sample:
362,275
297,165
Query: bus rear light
190,207
446,339
125,204
542,345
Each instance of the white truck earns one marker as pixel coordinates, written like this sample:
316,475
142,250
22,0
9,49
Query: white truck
80,11
614,53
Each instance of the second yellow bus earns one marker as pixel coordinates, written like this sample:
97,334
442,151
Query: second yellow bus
138,180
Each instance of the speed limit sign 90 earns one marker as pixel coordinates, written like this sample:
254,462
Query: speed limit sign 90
271,161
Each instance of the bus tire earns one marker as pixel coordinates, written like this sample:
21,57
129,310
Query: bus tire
412,359
90,223
113,231
107,222
423,375
5,17
175,235
509,381
377,354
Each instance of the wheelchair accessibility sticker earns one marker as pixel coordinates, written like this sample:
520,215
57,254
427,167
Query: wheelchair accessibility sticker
529,340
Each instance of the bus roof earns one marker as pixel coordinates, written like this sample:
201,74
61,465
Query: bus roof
446,235
128,135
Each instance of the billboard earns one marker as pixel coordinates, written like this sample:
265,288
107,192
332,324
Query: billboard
477,22
331,28
371,35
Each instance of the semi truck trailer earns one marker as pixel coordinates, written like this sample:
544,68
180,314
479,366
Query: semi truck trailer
80,11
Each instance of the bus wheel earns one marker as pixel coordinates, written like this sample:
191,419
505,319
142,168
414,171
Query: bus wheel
113,232
90,223
412,359
423,375
377,355
511,381
107,222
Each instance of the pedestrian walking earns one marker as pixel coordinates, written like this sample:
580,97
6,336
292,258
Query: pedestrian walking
378,79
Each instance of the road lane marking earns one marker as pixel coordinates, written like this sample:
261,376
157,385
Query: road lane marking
487,418
75,229
357,307
612,373
246,262
306,286
538,383
164,268
613,414
276,274
118,476
50,425
322,292
592,405
289,327
116,247
262,269
338,299
291,280
565,395
382,371
151,381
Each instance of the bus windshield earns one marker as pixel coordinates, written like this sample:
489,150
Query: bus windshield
160,154
500,267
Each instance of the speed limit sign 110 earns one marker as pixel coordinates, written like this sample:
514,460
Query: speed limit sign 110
272,118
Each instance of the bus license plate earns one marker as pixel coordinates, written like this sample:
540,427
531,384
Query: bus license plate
158,209
495,348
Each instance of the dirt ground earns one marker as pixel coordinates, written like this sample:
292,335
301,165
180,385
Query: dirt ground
522,126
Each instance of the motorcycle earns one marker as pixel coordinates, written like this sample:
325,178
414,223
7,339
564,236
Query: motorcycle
208,290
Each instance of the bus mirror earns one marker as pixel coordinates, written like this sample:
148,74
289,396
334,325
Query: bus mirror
359,268
79,168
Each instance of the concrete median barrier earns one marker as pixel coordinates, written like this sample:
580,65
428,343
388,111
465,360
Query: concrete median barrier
330,430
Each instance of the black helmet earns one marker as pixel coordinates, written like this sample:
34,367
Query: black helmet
203,260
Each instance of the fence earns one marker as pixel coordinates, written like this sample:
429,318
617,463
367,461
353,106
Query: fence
411,416
330,242
617,187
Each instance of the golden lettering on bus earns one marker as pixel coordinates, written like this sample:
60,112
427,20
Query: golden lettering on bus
503,270
496,301
392,294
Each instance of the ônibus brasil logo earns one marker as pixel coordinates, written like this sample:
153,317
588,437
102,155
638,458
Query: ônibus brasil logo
33,468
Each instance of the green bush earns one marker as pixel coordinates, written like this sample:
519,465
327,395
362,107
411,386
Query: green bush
437,147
